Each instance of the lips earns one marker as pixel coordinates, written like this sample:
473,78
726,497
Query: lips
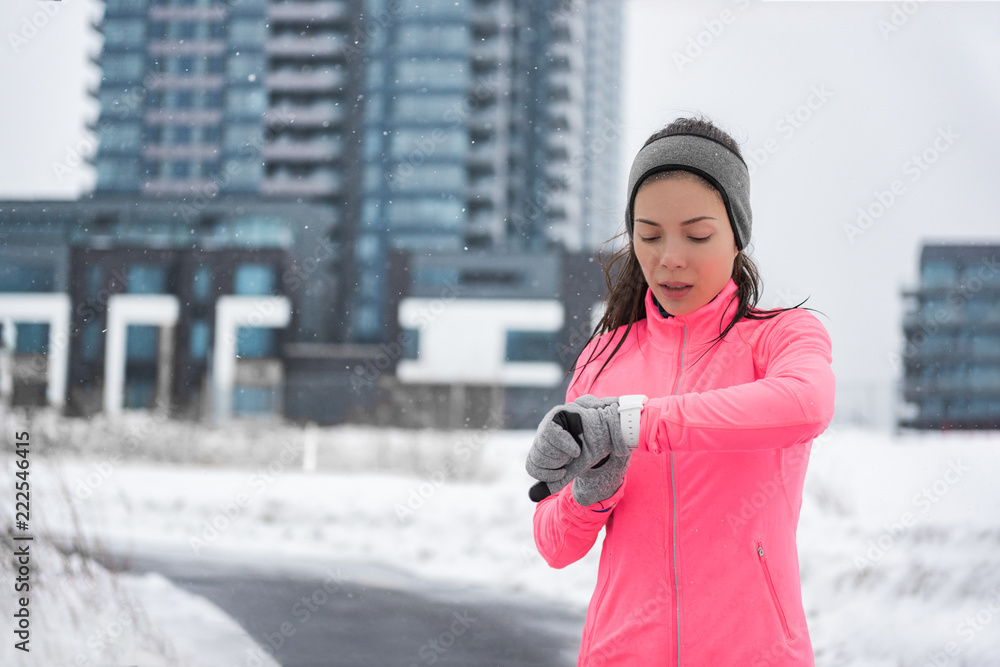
674,290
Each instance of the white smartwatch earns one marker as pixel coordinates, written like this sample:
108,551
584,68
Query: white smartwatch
629,411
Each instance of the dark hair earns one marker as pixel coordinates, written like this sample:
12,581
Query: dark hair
625,302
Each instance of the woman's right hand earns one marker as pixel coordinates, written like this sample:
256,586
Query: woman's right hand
573,438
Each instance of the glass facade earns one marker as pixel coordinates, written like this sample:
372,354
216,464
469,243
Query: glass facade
952,351
414,178
208,95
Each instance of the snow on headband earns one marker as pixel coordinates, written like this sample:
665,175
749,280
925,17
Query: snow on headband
707,158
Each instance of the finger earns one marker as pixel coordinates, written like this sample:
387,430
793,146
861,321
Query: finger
556,486
546,474
555,439
571,422
544,460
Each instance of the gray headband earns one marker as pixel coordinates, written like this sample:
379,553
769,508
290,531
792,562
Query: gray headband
707,158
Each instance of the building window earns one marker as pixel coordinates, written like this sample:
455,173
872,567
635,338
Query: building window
146,279
201,284
198,340
32,338
256,342
124,32
183,99
211,134
142,342
180,169
212,99
247,31
182,134
21,278
531,345
254,280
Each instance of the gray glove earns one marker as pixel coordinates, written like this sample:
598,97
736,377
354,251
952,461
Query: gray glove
556,454
573,438
603,432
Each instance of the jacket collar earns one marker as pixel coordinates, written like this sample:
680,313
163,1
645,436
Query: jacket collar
705,323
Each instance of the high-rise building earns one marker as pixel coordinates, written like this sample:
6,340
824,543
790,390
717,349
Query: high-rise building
951,357
299,149
488,124
249,96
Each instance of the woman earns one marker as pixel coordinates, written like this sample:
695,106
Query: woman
693,460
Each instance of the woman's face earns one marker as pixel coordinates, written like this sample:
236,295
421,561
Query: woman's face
683,241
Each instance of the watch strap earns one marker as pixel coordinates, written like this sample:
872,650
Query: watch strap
630,413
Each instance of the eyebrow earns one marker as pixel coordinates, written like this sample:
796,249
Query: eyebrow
686,222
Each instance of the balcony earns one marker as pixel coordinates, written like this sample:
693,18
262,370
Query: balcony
321,185
183,82
194,47
482,157
183,116
305,82
303,151
179,13
181,152
170,187
312,116
307,12
305,47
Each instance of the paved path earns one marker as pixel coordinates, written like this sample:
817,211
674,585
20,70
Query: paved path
362,615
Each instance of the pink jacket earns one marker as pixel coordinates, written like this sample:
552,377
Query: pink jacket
699,565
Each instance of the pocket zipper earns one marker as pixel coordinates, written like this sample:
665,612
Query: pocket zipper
770,585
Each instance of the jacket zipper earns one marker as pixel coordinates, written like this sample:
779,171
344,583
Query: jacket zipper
770,585
673,496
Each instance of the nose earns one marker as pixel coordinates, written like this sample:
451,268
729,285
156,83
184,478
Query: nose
672,257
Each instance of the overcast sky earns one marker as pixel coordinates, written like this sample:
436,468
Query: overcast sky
833,99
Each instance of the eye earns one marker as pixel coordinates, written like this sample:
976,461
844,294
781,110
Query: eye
649,239
702,239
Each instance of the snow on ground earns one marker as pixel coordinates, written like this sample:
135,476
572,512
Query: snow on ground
898,537
82,615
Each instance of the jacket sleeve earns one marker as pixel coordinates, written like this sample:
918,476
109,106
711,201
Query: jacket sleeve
564,530
790,404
